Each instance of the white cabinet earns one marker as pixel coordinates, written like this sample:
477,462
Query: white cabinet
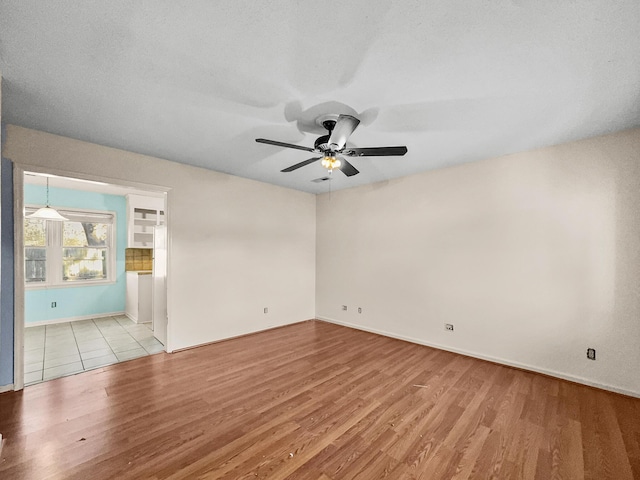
143,213
138,301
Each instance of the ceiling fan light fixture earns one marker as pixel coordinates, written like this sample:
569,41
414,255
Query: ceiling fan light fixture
331,162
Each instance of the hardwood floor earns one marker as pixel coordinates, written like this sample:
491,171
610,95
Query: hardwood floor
316,401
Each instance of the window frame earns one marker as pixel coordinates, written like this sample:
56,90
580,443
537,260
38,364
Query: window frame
54,250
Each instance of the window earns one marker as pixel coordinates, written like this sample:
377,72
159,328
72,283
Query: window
35,254
84,251
79,250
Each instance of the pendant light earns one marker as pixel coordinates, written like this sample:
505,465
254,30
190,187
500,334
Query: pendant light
47,213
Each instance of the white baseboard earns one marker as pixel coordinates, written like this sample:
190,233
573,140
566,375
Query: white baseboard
239,335
7,388
72,319
135,319
502,361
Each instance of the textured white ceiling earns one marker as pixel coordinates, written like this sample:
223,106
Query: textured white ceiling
196,82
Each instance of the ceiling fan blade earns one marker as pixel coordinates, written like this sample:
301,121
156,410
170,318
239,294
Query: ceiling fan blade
282,144
375,151
301,164
345,125
348,169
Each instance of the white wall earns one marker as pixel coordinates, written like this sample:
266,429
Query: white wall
533,257
236,245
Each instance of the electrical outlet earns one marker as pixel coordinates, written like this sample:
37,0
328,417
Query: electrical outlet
344,307
448,326
591,353
53,305
359,309
266,309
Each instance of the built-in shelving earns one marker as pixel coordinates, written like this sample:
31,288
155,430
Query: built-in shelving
144,213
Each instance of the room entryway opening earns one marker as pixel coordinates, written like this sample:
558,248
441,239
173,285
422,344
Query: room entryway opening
94,280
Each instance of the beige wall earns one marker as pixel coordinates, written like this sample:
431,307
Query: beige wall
533,257
236,245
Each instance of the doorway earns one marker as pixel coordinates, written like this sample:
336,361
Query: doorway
77,276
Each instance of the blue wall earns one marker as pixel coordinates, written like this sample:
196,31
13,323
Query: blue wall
6,280
84,300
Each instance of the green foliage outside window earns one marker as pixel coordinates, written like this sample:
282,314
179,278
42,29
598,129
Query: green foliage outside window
80,262
35,232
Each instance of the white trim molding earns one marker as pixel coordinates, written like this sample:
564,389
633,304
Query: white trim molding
18,277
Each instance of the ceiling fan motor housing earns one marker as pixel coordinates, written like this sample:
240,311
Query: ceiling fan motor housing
322,143
329,125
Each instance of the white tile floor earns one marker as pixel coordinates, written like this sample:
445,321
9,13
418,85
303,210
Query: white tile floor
52,351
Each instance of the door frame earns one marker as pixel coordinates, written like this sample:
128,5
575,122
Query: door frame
18,237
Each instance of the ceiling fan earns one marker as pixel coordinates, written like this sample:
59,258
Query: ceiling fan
333,145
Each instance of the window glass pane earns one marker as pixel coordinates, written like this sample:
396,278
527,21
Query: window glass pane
84,264
35,232
35,264
85,234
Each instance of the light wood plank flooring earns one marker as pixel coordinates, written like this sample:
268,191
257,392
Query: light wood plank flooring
316,401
